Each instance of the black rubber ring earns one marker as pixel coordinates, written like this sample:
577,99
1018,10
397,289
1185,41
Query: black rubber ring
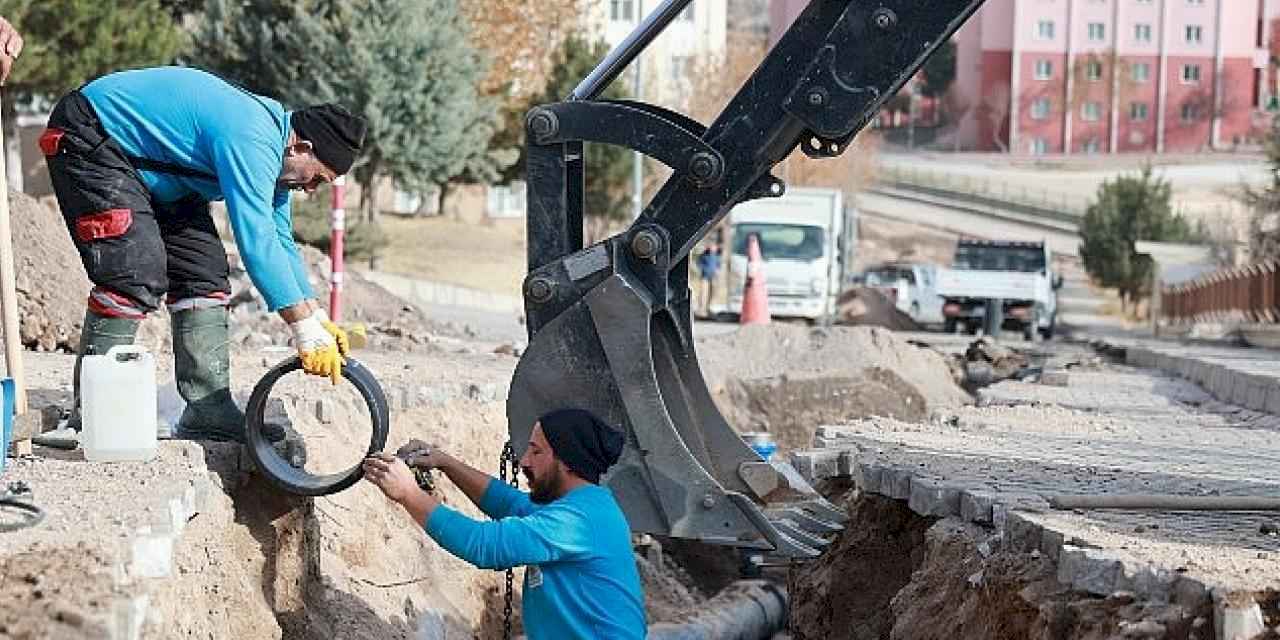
298,481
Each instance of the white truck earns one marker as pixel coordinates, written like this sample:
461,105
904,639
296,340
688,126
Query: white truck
806,238
1018,276
912,286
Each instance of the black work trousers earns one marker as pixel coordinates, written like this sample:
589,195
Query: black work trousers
130,245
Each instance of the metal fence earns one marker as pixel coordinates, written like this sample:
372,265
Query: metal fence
1247,294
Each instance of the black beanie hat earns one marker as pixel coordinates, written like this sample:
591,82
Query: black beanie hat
335,135
582,442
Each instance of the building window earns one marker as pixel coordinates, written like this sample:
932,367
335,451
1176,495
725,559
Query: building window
1040,109
1141,72
1190,112
1195,34
1191,73
620,10
1092,145
1039,146
1093,70
1138,112
1044,69
1091,111
1044,30
1097,31
1142,33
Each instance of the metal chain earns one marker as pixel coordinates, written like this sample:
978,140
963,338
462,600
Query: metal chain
505,463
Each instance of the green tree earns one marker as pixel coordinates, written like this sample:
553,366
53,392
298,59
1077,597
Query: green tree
608,179
939,71
405,65
1264,223
1127,209
68,42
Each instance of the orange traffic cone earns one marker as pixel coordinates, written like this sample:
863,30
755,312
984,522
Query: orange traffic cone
755,296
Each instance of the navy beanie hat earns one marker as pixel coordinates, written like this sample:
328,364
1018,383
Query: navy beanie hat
583,442
334,133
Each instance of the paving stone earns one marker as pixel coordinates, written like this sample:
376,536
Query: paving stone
815,465
898,484
976,506
1022,533
869,477
933,498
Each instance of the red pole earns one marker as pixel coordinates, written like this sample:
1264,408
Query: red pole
338,226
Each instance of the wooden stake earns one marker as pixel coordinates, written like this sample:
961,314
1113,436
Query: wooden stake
9,293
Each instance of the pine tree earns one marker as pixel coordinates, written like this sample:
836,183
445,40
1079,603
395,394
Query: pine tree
1264,224
69,42
608,179
1128,209
405,65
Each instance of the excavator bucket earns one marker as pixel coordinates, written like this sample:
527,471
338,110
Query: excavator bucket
610,325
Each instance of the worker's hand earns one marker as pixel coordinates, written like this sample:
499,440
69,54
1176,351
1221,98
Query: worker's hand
10,48
317,348
339,336
421,455
392,476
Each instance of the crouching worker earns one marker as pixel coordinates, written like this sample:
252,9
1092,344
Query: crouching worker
580,580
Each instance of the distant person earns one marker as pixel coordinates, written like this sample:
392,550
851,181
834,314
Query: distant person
10,48
135,158
708,269
580,581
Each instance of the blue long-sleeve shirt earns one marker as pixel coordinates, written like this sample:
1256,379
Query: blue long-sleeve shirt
196,120
580,580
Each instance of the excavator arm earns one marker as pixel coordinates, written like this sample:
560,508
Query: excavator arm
610,325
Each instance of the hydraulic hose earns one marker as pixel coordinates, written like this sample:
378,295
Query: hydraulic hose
745,610
298,481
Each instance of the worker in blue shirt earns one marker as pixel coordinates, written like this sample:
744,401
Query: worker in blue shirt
580,578
135,157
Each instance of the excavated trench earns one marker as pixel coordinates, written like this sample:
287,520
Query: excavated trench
897,575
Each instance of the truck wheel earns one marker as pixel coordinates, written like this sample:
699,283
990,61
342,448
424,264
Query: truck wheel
950,326
1048,332
1031,330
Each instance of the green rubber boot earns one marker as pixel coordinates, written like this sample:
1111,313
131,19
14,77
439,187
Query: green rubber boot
202,367
100,333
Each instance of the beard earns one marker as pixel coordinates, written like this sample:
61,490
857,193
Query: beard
544,489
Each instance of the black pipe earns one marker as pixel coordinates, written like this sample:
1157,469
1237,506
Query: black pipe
298,481
745,610
611,67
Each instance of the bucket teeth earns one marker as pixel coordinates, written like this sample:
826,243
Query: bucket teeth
822,509
793,530
805,520
784,543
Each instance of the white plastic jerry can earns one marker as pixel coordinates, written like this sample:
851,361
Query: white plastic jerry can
118,405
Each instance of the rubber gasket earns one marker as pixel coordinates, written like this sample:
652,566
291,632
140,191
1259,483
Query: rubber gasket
298,481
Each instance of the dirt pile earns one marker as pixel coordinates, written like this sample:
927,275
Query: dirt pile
868,306
893,574
787,379
51,282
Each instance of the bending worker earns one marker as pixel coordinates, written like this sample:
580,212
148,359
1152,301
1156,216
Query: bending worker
580,580
135,158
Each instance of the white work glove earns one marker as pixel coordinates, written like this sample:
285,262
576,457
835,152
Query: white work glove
344,343
317,348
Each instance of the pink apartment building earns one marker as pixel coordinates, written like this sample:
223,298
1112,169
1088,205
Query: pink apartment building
1096,76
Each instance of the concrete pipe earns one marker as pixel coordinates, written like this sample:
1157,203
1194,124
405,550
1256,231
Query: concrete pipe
745,610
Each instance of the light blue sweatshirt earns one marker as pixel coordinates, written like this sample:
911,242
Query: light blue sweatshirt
580,581
196,120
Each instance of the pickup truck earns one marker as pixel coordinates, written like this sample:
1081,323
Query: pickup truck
911,286
1018,276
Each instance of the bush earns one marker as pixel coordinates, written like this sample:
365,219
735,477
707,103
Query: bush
311,227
